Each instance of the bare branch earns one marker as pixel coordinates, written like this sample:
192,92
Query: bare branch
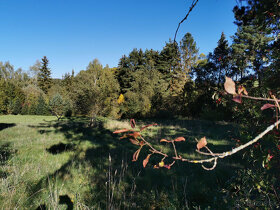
185,18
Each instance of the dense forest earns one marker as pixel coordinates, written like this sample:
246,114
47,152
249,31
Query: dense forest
176,82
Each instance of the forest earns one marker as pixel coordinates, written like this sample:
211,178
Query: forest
177,87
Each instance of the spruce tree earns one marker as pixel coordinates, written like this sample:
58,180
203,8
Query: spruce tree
44,76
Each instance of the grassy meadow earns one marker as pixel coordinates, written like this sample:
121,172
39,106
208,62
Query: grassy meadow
50,164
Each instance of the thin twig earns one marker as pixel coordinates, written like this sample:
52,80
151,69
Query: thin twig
175,151
258,98
185,18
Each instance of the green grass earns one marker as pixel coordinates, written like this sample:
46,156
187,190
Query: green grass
60,164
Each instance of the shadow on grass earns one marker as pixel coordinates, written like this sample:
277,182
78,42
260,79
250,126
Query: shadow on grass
5,153
6,125
183,186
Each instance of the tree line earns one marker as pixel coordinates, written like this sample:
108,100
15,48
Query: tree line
176,80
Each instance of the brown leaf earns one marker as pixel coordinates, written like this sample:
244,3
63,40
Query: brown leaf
202,143
180,139
167,166
136,154
146,126
134,135
241,90
164,140
145,162
136,142
245,92
132,123
230,86
121,131
267,106
237,99
124,136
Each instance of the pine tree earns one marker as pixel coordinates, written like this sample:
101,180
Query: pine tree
221,59
189,54
44,76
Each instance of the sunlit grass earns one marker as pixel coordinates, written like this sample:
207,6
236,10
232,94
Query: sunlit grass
32,176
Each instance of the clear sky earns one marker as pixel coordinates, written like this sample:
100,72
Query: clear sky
71,33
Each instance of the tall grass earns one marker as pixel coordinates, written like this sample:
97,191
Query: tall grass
67,164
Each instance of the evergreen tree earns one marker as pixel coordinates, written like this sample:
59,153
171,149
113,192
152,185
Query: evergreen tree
42,107
189,54
44,76
221,59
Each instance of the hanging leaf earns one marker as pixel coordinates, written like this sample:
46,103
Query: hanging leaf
145,162
132,123
202,143
245,91
136,142
256,84
164,140
180,139
124,136
161,164
136,154
237,99
230,86
146,126
267,106
241,90
134,135
167,166
121,131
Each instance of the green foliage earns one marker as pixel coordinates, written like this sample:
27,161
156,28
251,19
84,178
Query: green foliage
42,107
44,76
57,105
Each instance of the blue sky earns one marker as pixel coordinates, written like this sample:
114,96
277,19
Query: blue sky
71,33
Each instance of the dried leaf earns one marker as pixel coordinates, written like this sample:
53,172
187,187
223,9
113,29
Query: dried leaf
146,126
180,139
267,106
164,140
124,136
237,99
202,143
241,90
134,135
245,92
136,154
230,86
121,131
167,166
136,142
145,162
132,123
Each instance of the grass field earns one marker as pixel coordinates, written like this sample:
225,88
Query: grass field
66,164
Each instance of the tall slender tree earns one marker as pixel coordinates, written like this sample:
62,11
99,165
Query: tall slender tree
44,76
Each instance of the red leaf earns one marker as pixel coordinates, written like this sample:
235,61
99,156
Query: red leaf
147,126
134,141
237,99
136,154
267,106
202,143
230,86
167,166
121,131
132,123
145,162
164,140
180,139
